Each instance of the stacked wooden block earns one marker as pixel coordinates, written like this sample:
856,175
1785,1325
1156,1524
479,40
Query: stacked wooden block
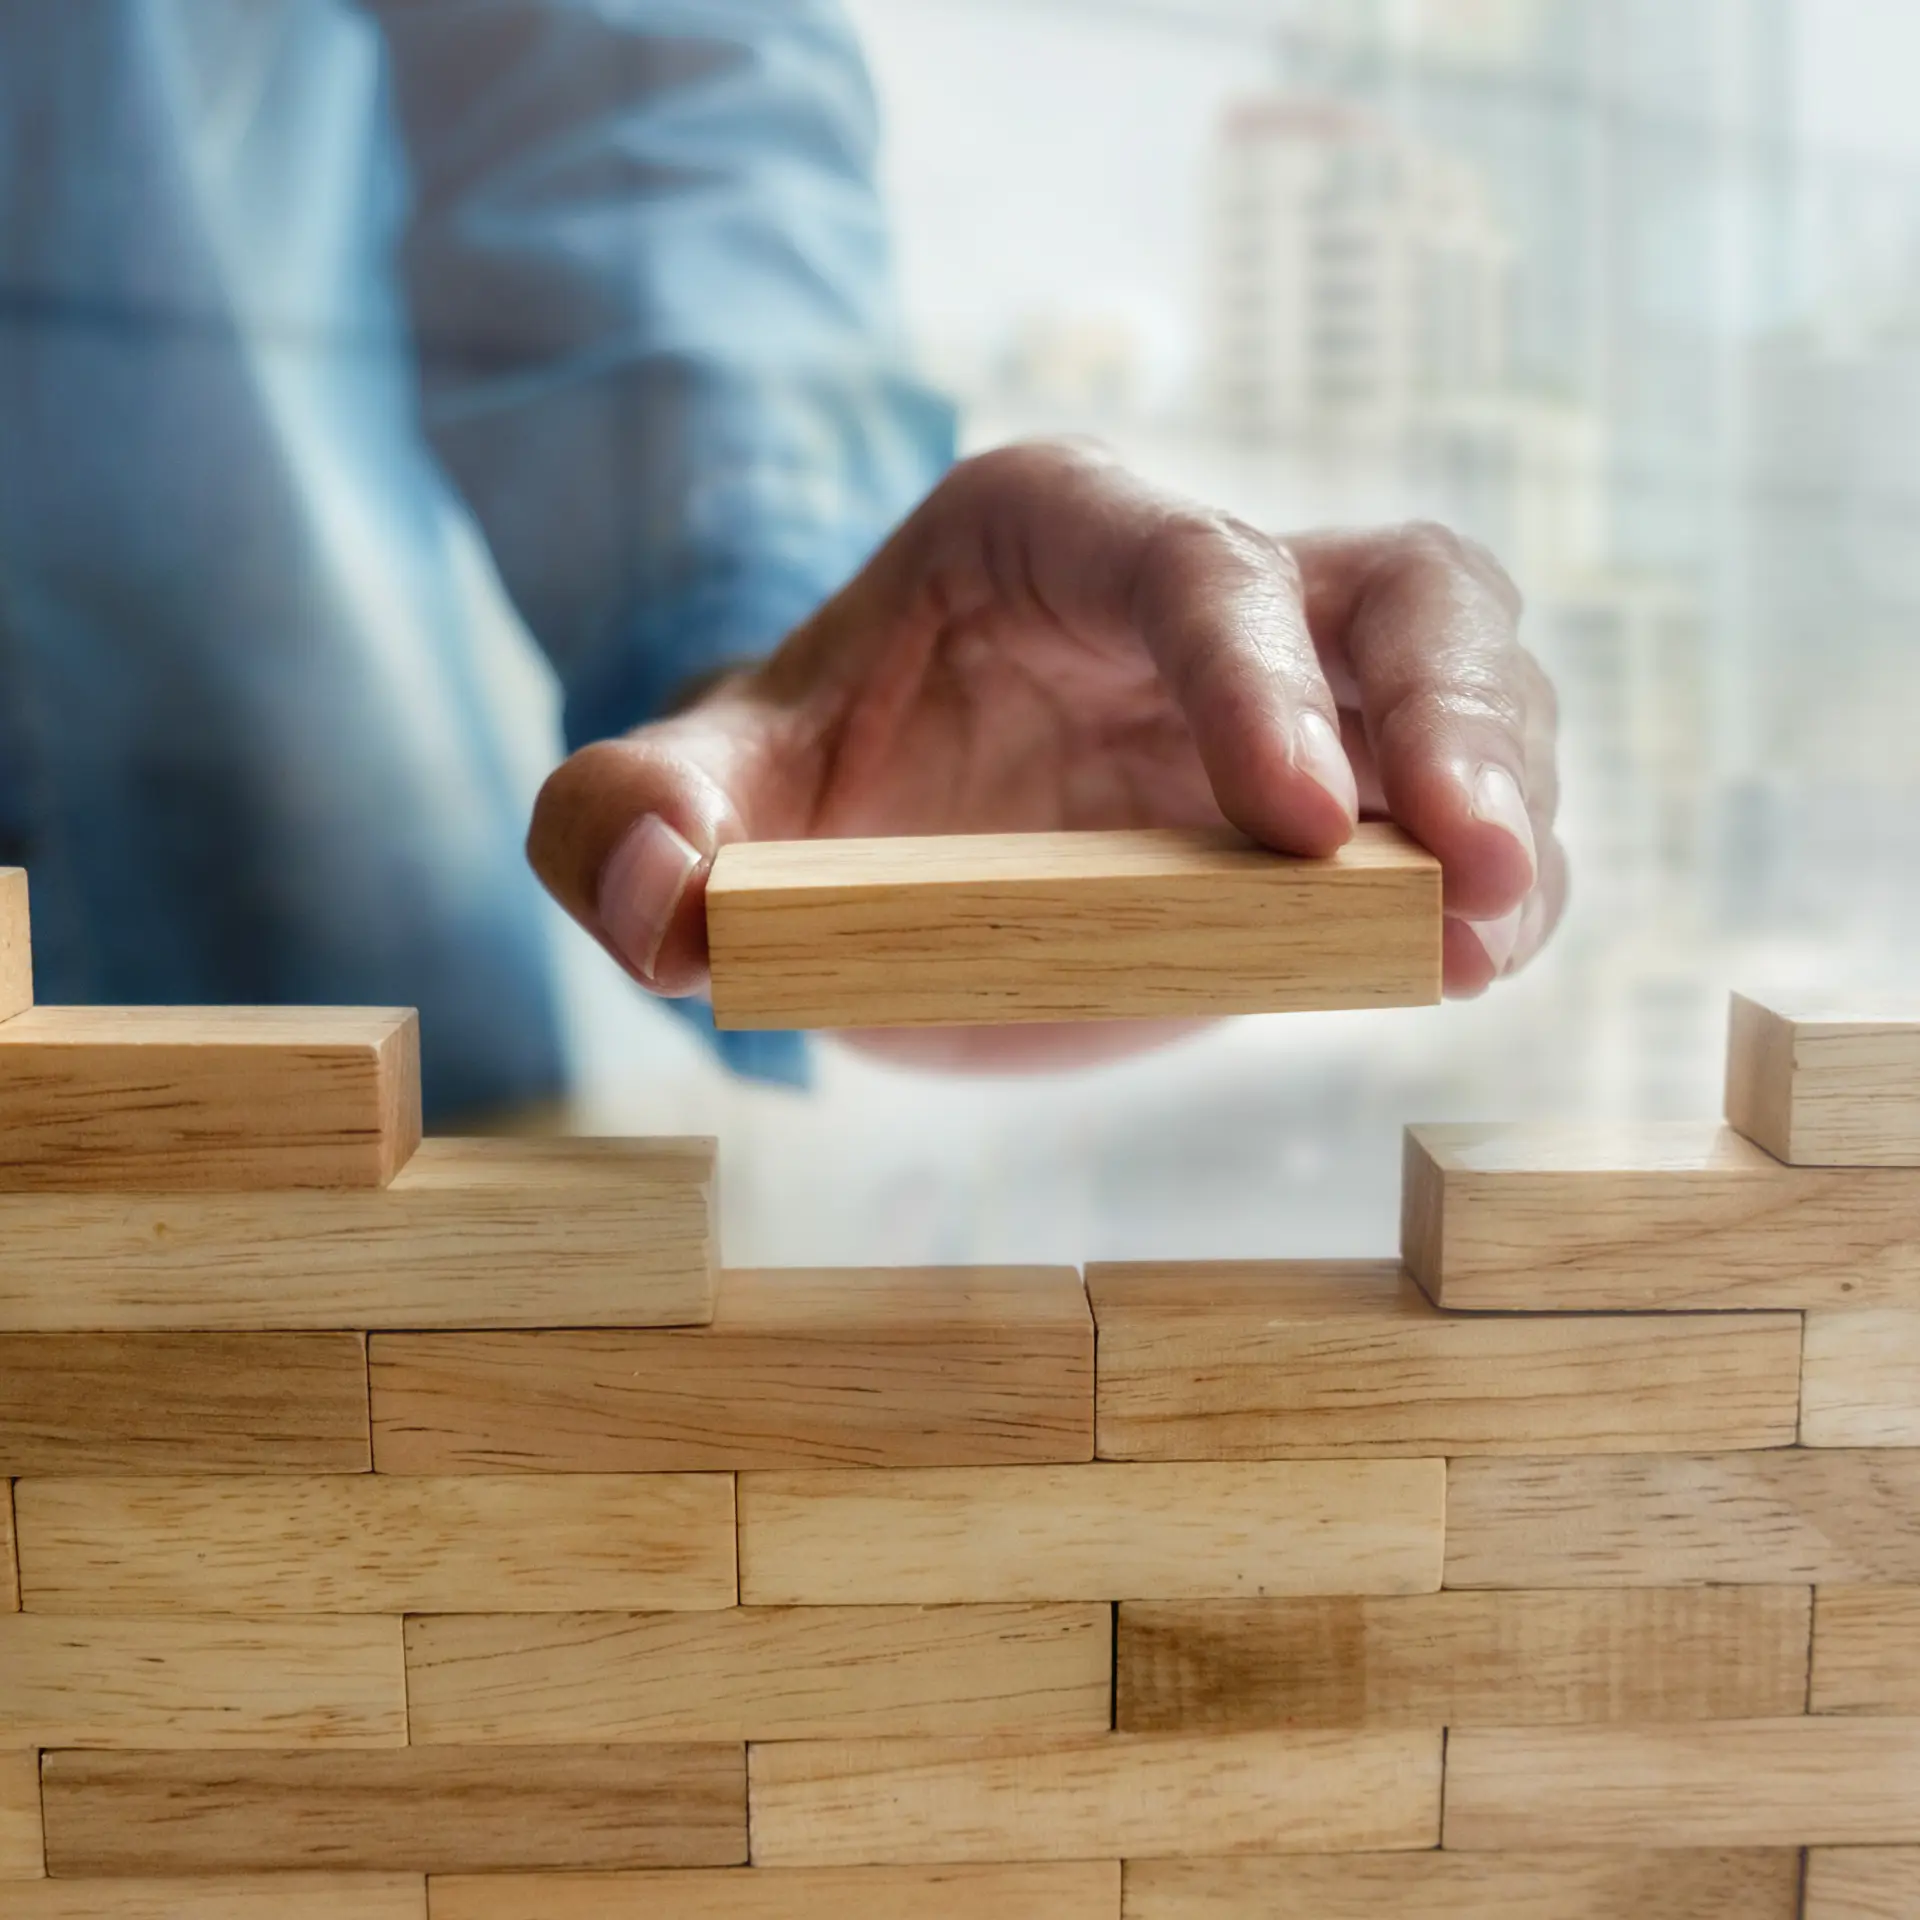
403,1531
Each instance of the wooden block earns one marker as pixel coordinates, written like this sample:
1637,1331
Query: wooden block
1052,1890
497,1233
1866,1650
411,1809
1625,1218
1860,1384
16,944
1098,1532
21,1854
1616,1885
1675,1520
1716,1783
200,1683
888,1802
365,1543
160,1099
1863,1883
1149,923
272,1896
1279,1360
183,1402
1464,1659
773,1673
9,1554
1827,1084
946,1366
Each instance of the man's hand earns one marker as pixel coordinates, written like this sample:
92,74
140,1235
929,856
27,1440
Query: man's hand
1048,642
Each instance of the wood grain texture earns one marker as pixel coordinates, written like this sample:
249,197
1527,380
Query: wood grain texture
945,1366
275,1896
881,1802
498,1233
1863,1883
16,944
1101,1532
1866,1650
989,928
366,1543
200,1683
774,1673
1275,1360
1860,1383
21,1853
1614,1885
9,1553
183,1403
1827,1084
1649,1216
1721,1783
1671,1520
414,1809
130,1099
1464,1659
1052,1890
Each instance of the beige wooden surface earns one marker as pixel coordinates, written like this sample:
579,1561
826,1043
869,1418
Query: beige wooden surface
200,1683
410,1809
1727,1783
276,1896
183,1403
21,1855
16,944
124,1099
1659,1520
368,1543
1099,1532
1066,926
779,1673
1053,1890
1653,1215
1832,1084
943,1366
1861,1381
1866,1650
1464,1659
1615,1885
499,1233
1863,1883
1275,1359
874,1802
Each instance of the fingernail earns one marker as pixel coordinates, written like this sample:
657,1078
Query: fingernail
640,888
1497,801
1318,754
1499,937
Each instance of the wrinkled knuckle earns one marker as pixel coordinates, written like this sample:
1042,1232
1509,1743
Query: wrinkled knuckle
1425,713
1433,546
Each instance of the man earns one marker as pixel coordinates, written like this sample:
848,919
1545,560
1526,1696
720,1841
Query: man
331,333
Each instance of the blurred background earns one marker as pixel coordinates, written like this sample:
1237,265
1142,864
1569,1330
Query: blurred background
1630,290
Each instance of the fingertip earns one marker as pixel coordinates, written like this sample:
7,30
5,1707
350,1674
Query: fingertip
1305,801
649,903
1467,968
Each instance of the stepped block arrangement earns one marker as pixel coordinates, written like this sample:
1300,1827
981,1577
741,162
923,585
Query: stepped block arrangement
397,1530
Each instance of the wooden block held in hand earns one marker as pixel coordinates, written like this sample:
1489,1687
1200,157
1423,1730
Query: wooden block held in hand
878,1802
183,1403
760,1673
1674,1520
1051,1890
267,1896
409,1809
1860,1380
1614,1885
21,1856
368,1543
1720,1783
1866,1650
1143,924
1834,1085
878,1367
1863,1883
161,1099
16,944
496,1233
1099,1532
200,1683
1646,1216
1271,1360
1464,1659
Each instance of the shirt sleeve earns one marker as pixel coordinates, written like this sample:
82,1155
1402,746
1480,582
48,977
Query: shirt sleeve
659,355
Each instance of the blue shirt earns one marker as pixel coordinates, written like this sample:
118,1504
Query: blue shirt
342,347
